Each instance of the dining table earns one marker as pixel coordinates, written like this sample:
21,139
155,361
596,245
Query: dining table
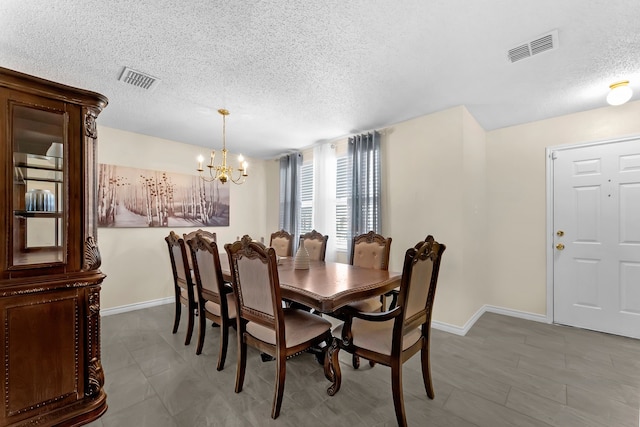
326,287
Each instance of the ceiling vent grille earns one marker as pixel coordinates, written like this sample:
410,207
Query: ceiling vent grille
138,79
538,45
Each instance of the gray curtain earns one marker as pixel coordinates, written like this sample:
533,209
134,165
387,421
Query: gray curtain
290,194
364,206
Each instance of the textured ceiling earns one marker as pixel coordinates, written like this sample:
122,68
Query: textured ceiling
296,72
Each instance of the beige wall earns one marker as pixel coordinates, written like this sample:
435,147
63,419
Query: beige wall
484,195
272,178
516,184
433,174
136,260
481,193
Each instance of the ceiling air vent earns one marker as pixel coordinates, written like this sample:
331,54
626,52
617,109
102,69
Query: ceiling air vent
538,45
136,78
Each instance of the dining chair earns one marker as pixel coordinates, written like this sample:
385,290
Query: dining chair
396,292
182,282
282,242
204,233
315,244
190,235
215,298
262,321
392,337
369,250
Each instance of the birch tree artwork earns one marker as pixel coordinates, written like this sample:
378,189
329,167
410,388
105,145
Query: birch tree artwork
131,197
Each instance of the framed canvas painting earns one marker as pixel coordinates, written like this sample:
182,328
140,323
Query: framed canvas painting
131,197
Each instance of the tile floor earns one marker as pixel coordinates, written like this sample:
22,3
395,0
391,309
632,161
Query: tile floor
505,372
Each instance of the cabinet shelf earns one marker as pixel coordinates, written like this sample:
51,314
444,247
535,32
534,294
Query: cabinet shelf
38,180
37,214
39,166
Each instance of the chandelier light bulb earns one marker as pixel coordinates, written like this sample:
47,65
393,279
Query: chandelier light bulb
620,93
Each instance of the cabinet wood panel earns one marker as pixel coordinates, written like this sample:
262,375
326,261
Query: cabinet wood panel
35,376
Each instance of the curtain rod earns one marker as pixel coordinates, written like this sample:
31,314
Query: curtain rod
381,131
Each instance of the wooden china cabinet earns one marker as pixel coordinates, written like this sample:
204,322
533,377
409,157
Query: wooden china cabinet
49,263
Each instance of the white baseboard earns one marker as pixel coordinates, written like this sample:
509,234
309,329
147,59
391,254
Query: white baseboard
442,326
137,306
462,330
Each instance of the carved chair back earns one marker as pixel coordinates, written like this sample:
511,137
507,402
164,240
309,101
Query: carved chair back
282,242
315,244
370,250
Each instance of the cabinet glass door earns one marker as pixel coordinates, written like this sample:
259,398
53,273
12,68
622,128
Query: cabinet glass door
38,186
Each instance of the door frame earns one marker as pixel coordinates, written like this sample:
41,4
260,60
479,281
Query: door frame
550,207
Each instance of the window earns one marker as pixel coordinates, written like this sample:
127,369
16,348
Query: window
365,191
306,197
325,194
342,197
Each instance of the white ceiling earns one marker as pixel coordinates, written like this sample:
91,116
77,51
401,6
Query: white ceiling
296,72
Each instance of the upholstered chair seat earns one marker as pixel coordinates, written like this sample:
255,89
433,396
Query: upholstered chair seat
214,308
299,326
377,336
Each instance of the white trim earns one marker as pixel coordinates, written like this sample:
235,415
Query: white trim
526,315
137,306
442,326
462,331
549,238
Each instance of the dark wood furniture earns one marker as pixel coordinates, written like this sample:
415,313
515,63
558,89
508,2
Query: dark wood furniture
49,262
215,298
391,338
182,283
315,244
327,287
206,234
369,250
282,242
262,322
190,235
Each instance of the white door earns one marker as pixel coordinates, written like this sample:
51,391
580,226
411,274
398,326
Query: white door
596,220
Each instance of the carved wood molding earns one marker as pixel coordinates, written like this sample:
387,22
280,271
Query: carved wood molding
95,380
90,127
92,259
96,377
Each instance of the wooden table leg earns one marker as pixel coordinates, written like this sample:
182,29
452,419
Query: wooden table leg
332,367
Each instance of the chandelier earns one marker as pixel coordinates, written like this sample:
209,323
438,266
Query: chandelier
222,172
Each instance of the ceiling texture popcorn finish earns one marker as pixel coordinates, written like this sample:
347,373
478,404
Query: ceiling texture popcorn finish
297,72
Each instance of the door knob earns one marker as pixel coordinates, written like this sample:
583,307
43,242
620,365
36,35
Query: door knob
559,246
560,233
